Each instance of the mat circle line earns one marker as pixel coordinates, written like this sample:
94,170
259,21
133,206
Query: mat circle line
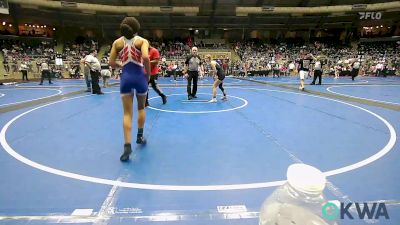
369,99
29,100
13,153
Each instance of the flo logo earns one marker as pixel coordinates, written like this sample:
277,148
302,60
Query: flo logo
370,15
375,210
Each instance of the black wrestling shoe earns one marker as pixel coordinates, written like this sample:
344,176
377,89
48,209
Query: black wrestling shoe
141,140
127,151
194,96
164,99
190,97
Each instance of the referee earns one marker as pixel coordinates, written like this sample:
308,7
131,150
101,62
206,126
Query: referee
192,65
94,65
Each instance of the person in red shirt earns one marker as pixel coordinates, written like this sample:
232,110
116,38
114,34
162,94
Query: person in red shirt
154,56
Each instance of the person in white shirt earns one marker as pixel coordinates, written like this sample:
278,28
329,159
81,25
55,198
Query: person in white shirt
338,69
105,72
94,65
86,74
24,70
292,67
276,68
44,68
269,68
355,65
379,68
317,71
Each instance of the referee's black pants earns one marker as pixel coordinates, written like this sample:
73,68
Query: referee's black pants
193,76
354,73
317,74
95,75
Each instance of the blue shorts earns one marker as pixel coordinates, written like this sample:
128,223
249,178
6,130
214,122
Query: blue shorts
133,79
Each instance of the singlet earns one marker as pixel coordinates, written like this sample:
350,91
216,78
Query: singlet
220,71
133,77
129,53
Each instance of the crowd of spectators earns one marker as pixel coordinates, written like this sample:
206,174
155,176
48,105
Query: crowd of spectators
31,53
374,57
16,51
377,58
